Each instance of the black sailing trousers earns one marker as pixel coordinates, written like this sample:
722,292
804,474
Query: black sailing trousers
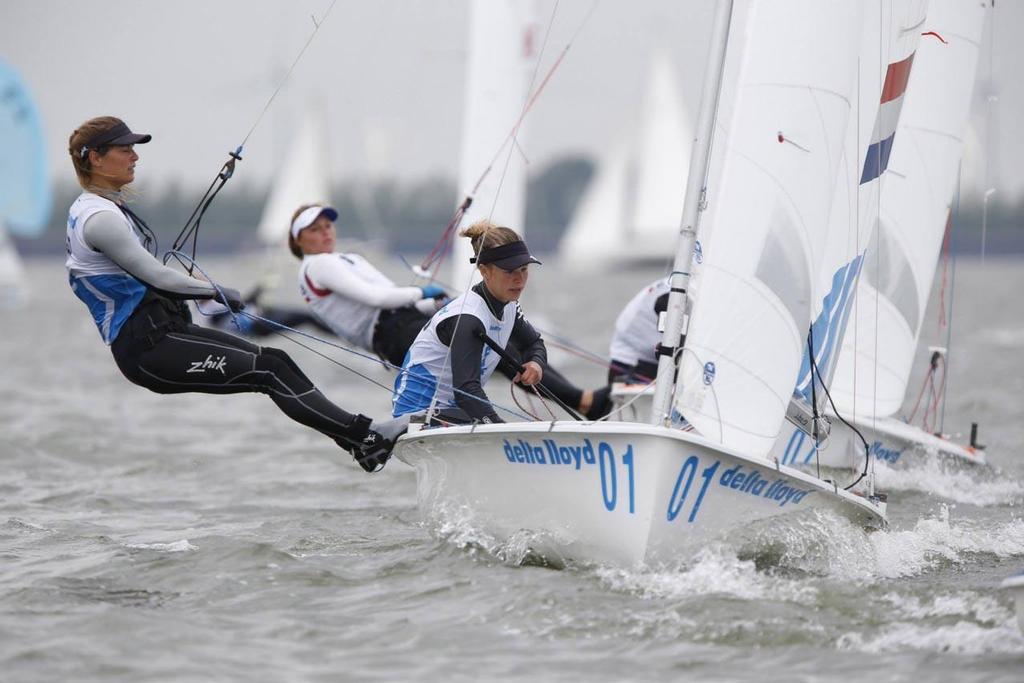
159,349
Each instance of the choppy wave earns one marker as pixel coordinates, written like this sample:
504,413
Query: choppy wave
175,547
962,638
974,486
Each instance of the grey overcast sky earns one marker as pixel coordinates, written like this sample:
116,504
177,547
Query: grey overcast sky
389,73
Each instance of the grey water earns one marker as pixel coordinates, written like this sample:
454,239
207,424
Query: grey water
204,538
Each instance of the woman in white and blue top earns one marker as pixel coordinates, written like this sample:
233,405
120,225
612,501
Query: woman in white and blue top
449,362
137,304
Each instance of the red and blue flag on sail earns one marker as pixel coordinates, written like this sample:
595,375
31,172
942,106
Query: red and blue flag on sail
877,159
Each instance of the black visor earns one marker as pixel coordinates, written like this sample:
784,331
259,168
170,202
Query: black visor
507,256
120,134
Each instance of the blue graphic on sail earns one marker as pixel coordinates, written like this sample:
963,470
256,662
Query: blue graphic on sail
827,330
25,192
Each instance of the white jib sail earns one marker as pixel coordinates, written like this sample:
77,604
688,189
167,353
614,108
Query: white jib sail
503,41
304,178
768,216
891,29
916,195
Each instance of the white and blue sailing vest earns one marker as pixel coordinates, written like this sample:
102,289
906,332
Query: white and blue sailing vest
349,319
108,291
427,368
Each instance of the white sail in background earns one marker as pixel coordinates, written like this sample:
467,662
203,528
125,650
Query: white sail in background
641,180
596,226
662,162
768,211
26,194
304,178
916,195
12,274
502,58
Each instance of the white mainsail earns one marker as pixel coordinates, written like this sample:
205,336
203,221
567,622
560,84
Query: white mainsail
769,211
916,195
502,54
304,178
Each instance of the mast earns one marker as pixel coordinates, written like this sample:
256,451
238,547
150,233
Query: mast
692,206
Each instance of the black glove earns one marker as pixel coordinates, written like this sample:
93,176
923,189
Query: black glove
230,298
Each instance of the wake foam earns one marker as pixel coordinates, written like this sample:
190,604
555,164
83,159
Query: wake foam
984,488
175,547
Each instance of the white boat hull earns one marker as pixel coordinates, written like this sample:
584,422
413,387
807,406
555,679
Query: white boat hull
611,493
1015,584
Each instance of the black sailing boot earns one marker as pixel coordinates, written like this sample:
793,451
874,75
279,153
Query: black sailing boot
370,444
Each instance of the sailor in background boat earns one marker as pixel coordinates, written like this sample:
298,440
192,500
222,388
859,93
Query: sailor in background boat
449,356
350,296
633,348
137,304
362,305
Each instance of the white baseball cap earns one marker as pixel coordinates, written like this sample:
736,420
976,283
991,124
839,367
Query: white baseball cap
306,218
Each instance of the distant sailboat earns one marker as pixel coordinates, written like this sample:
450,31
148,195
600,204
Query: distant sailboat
631,208
501,58
25,188
304,178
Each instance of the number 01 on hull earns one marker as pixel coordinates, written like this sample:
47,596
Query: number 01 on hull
618,493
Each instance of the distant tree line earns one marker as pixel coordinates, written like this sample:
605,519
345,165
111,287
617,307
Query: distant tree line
409,217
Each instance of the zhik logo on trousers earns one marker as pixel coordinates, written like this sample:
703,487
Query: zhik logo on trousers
210,363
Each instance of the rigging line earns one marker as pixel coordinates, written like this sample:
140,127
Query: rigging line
867,449
316,29
191,227
453,224
952,292
814,400
515,130
278,327
281,328
508,358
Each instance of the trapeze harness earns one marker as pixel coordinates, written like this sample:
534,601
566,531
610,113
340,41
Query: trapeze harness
154,342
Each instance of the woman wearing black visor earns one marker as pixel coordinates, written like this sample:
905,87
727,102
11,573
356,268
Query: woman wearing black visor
137,304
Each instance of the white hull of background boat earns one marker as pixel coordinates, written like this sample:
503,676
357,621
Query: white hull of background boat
616,493
1015,584
889,440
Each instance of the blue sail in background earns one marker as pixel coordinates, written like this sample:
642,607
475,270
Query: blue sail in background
25,192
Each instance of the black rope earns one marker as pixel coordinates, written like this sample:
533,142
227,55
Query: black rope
867,449
814,402
148,236
543,390
191,229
